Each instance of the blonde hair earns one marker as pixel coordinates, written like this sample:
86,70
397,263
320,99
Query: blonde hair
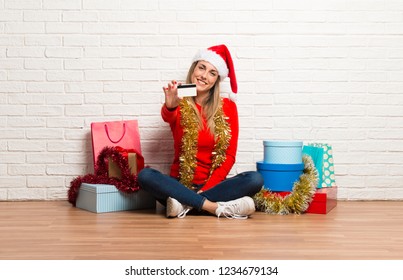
210,105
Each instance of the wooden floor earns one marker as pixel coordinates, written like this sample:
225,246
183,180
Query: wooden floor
56,230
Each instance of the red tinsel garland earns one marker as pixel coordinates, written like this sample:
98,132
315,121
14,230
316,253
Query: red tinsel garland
127,184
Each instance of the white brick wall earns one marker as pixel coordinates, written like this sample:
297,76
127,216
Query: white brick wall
314,70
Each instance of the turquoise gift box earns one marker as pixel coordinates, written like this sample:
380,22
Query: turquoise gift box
100,198
279,177
282,152
282,165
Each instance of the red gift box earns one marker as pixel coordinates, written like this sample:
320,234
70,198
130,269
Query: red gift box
324,200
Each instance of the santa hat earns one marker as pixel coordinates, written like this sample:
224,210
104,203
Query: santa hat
220,57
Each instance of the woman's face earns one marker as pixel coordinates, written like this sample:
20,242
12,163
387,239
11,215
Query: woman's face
204,76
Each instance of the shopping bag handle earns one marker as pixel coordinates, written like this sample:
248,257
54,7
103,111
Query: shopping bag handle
117,141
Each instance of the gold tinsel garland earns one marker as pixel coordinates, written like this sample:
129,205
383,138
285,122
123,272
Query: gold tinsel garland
223,136
295,202
187,159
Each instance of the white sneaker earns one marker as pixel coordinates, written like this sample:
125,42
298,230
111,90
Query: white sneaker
239,208
176,209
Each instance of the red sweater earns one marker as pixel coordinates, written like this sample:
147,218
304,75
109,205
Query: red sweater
205,146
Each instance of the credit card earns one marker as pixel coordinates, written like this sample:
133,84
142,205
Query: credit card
186,90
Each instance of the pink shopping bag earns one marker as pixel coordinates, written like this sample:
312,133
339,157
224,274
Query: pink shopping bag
124,134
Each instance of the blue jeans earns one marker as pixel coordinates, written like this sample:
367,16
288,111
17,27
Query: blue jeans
162,186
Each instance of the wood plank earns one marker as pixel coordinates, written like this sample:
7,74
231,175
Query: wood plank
47,230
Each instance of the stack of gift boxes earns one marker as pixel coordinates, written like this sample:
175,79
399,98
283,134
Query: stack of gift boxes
283,165
100,198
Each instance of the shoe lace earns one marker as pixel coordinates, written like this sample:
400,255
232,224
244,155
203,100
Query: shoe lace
231,212
183,213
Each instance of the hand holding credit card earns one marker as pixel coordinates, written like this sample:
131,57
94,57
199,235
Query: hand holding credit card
185,90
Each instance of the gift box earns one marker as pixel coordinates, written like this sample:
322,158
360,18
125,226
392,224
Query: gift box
114,170
324,200
135,162
279,177
282,152
100,198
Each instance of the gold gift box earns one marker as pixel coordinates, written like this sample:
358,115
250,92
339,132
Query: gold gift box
114,170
